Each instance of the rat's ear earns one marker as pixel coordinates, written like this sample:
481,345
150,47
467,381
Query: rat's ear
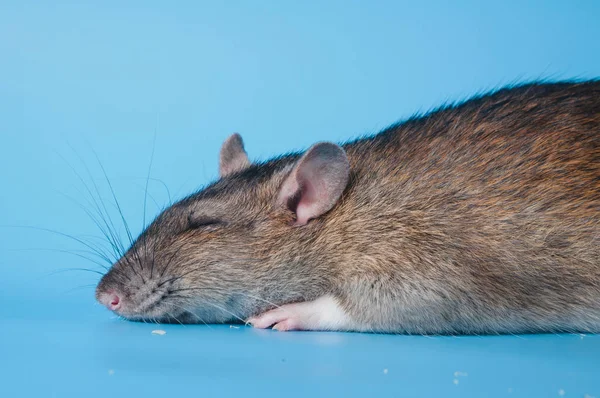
233,157
316,183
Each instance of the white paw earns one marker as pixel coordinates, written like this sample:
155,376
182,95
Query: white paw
323,313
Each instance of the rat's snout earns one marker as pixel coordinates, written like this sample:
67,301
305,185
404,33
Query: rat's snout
111,300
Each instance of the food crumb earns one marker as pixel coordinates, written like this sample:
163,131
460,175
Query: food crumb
111,372
385,371
233,327
458,374
455,381
159,332
561,392
581,336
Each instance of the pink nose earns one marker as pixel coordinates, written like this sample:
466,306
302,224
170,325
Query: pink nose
111,300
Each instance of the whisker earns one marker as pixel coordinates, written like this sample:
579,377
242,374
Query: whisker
171,259
153,256
177,277
106,234
186,289
145,199
237,292
76,269
99,245
114,196
129,263
180,188
158,180
191,312
158,206
225,310
259,298
165,187
146,196
66,252
78,288
103,215
175,318
188,300
86,244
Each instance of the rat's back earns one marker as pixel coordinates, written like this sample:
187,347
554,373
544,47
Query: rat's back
483,217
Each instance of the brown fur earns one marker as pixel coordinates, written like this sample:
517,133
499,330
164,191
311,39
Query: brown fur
477,218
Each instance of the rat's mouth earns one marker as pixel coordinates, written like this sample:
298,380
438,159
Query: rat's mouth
177,314
163,304
169,317
156,314
143,305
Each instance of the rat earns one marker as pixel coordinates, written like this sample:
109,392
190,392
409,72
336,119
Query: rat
481,217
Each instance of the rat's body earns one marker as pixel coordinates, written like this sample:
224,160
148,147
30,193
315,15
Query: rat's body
479,218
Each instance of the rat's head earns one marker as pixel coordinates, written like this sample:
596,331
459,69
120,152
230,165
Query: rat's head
235,248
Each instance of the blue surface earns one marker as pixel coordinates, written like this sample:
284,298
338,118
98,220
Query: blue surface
104,77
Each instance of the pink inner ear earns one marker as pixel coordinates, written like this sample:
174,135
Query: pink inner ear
318,181
308,204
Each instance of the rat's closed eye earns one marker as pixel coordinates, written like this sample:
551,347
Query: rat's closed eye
195,222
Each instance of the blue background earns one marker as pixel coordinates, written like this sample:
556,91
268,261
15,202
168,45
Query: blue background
104,77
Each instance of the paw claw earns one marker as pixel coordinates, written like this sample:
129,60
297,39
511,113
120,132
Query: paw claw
285,326
280,321
262,321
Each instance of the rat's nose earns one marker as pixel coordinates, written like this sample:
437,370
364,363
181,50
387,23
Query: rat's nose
111,300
